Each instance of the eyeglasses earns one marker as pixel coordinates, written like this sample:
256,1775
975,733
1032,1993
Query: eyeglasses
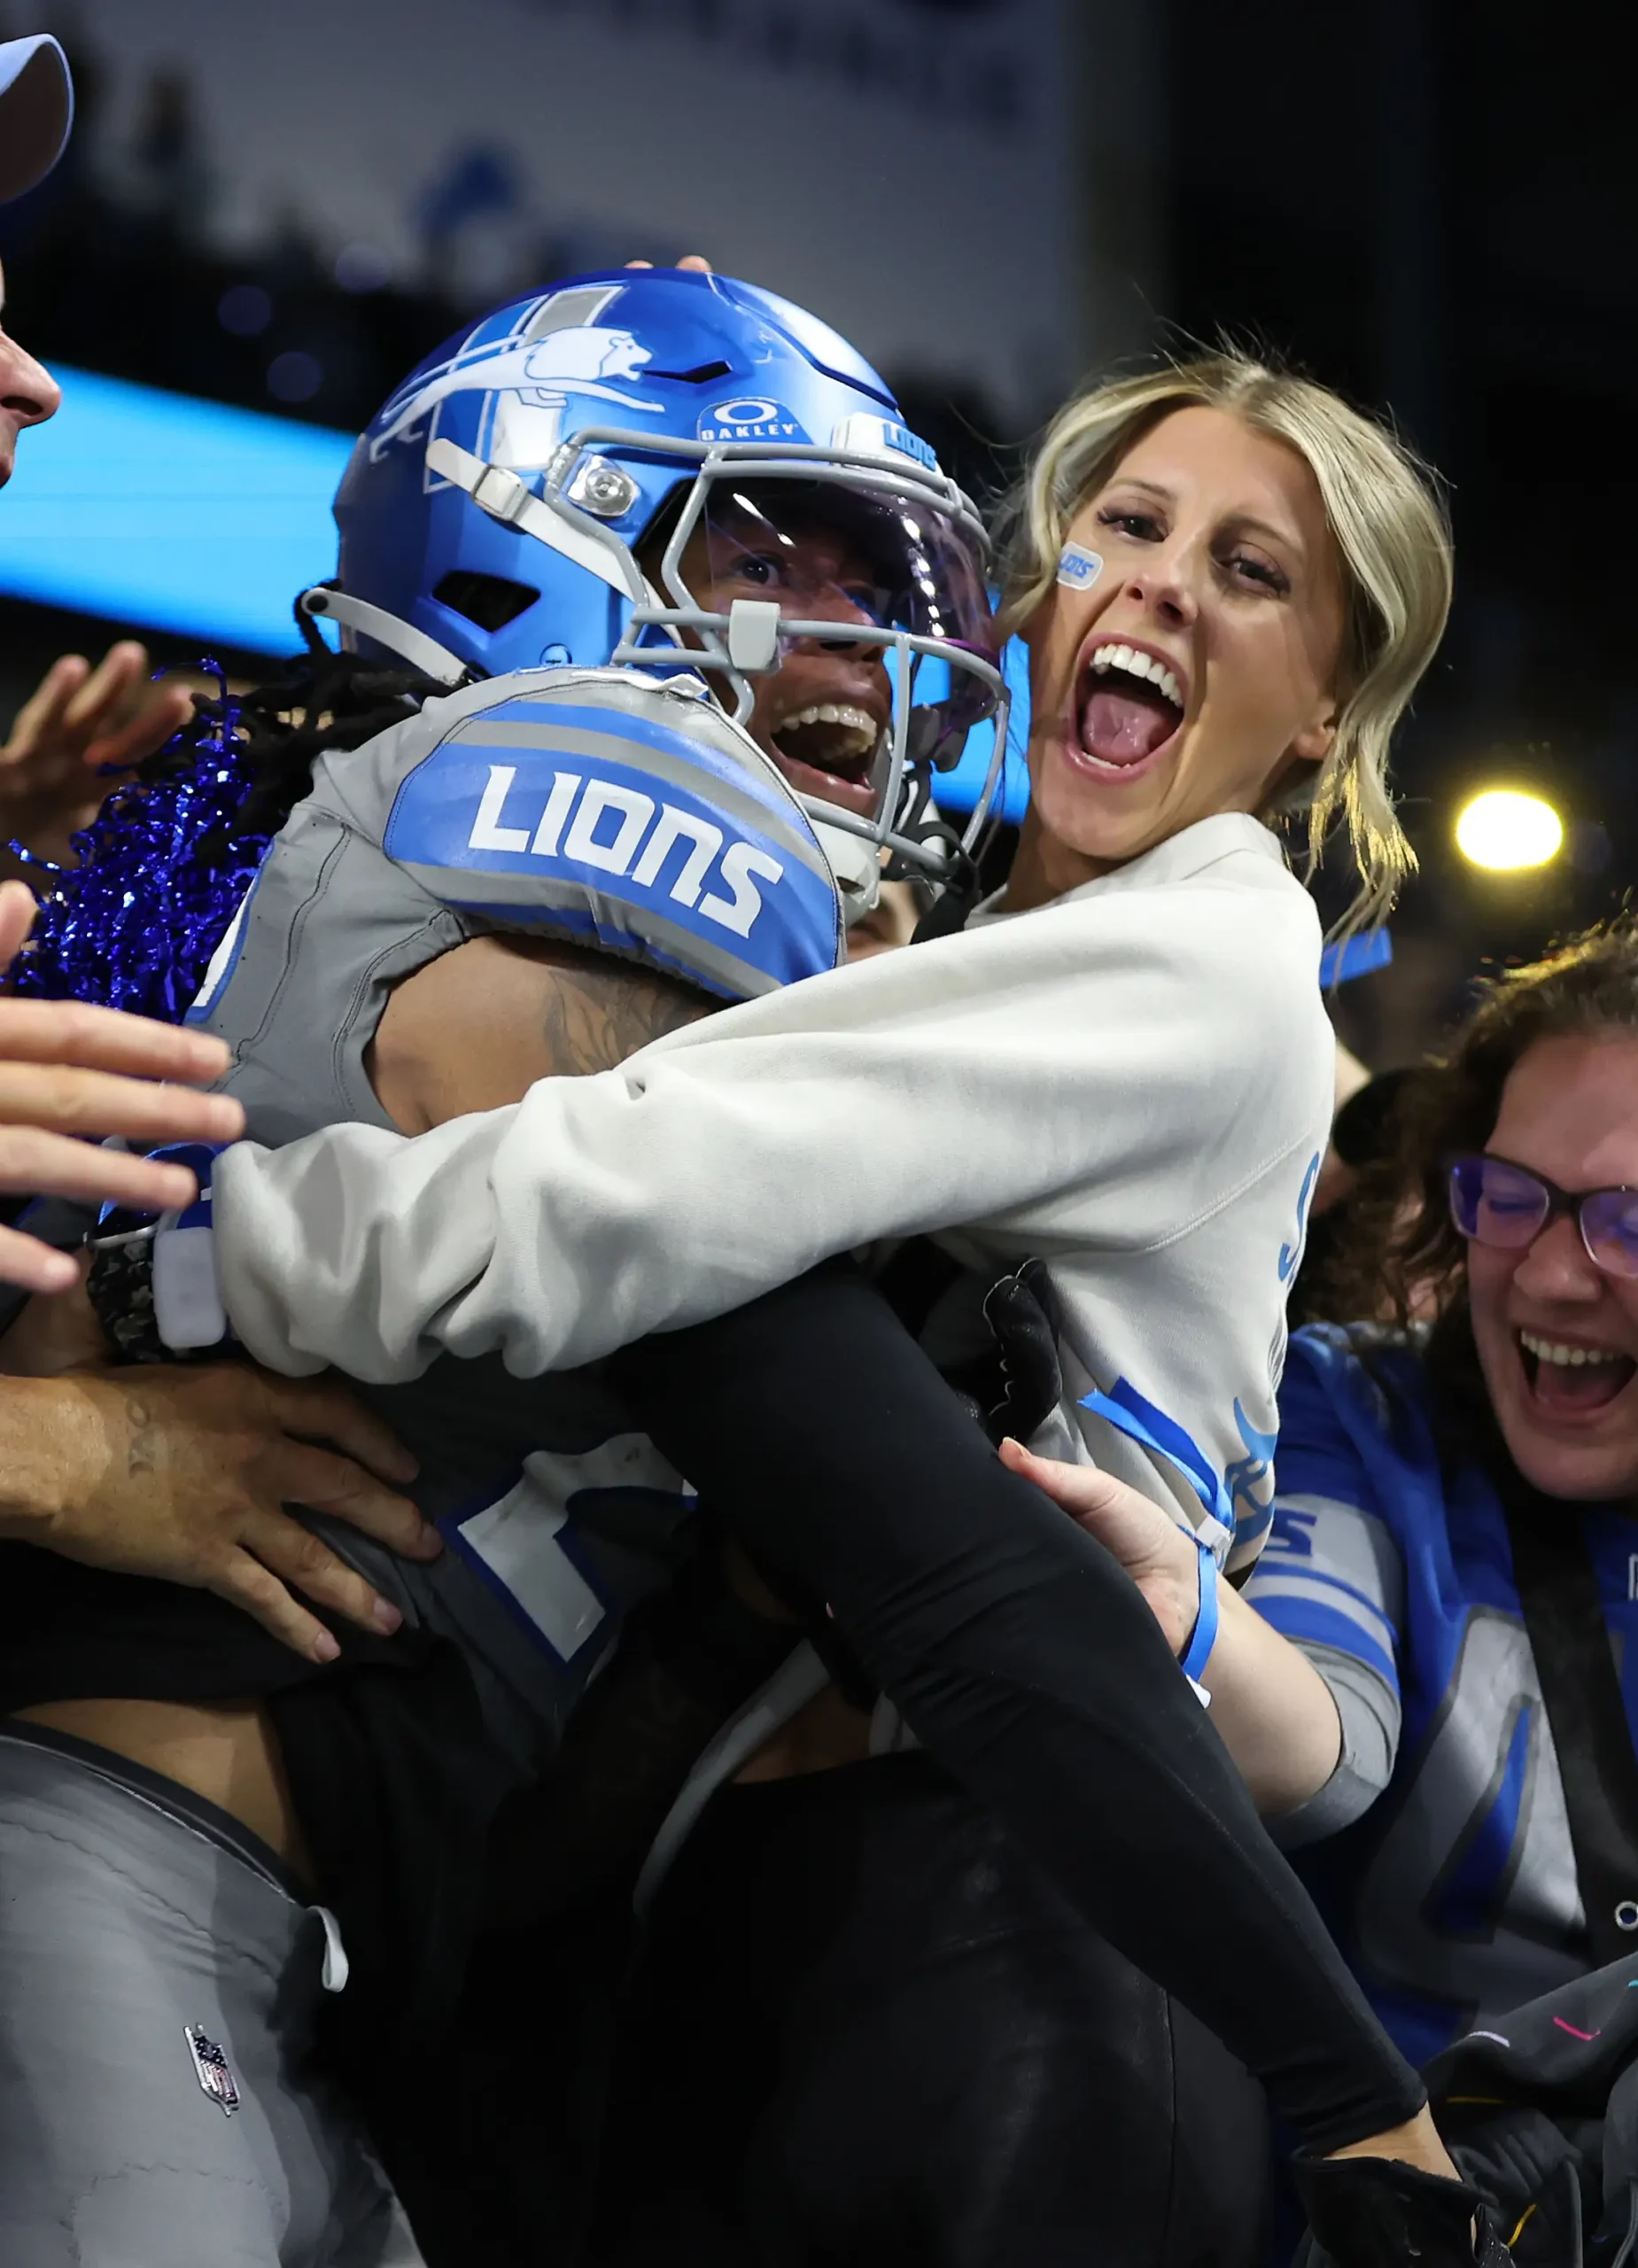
1493,1201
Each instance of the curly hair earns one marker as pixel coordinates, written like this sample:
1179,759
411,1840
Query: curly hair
1401,1258
165,864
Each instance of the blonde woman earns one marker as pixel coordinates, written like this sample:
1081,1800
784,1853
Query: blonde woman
1230,584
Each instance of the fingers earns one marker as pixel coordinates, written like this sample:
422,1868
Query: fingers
105,1039
35,1163
698,262
95,1103
1045,1471
1082,1490
298,1473
319,1409
25,1261
304,1562
41,716
118,746
94,702
17,916
244,1581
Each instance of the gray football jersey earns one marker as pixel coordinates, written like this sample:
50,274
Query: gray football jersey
604,807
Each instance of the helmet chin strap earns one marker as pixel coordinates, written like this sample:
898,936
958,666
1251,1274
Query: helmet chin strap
420,651
853,860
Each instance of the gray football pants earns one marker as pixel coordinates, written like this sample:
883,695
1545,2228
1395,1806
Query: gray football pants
147,1971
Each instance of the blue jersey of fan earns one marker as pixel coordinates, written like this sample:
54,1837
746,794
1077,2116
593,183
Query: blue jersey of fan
1453,1896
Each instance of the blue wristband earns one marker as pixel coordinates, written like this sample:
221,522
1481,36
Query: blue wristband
1205,1635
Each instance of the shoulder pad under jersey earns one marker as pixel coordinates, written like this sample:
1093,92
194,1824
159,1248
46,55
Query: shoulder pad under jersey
623,811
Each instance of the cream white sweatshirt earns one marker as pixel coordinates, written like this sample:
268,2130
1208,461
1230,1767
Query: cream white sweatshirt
1133,1084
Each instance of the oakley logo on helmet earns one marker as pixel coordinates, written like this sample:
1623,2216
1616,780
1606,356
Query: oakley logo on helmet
749,418
621,831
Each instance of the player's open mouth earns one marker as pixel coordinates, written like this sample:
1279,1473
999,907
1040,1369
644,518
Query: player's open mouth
1129,709
1573,1380
826,749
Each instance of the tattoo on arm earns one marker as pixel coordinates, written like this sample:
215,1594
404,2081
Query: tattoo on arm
598,1010
139,1453
476,1028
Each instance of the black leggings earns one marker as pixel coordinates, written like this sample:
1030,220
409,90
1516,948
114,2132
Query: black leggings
866,2031
1027,1663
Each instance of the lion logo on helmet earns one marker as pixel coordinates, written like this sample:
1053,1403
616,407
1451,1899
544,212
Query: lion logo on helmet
531,379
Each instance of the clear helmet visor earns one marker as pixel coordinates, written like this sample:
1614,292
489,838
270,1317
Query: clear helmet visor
884,653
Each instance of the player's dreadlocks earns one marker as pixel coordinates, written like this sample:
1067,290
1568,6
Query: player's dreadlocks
169,859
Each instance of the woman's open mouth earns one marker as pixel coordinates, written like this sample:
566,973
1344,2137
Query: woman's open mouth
827,750
1129,709
1569,1381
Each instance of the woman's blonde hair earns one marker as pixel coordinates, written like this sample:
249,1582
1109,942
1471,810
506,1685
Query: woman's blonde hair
1392,533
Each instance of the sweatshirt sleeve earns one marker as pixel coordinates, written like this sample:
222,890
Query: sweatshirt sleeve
1097,1073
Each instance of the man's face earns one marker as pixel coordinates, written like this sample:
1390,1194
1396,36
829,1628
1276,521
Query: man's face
821,715
28,394
1558,1337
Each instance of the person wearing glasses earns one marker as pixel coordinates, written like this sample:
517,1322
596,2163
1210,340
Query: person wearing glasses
1377,1680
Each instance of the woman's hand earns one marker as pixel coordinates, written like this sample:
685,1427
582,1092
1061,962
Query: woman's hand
68,1073
1161,1557
1271,1707
79,725
184,1474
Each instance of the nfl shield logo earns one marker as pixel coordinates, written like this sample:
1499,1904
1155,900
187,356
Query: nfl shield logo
210,2067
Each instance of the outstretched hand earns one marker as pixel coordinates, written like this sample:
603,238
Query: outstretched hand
1159,1555
79,725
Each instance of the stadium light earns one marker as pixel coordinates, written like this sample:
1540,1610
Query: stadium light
1505,829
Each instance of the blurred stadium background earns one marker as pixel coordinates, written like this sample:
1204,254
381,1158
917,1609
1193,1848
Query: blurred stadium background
268,215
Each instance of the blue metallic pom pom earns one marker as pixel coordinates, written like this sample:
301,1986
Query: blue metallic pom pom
161,873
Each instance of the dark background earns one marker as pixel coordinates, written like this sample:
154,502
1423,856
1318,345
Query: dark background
1430,205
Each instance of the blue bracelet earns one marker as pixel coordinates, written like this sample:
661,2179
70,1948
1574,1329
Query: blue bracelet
1205,1635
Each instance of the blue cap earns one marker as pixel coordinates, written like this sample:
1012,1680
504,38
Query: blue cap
36,110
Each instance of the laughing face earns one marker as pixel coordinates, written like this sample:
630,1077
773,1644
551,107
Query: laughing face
1557,1339
821,714
1199,669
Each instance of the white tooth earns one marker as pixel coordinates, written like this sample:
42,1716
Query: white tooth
1562,1357
1170,688
1148,666
828,713
1124,657
1104,658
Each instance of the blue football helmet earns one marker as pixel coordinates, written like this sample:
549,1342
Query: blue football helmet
534,493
